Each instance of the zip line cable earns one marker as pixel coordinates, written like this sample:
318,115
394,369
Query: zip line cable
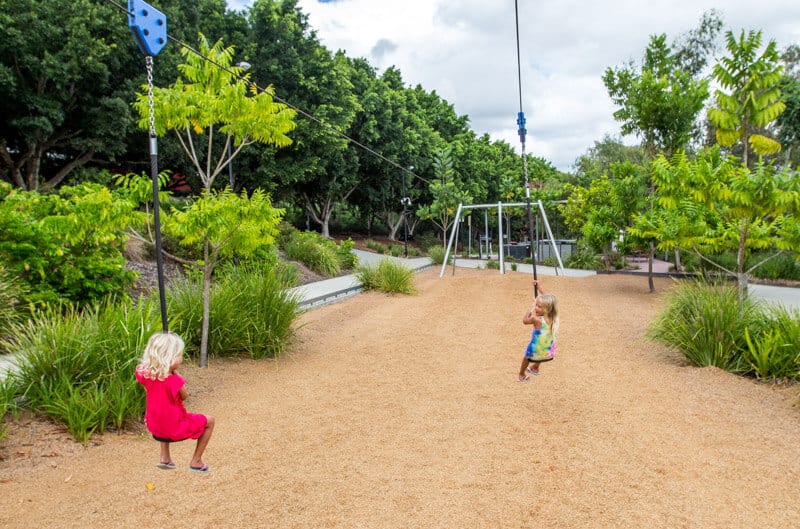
285,102
522,132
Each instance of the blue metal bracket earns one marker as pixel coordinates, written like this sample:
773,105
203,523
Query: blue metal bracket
521,123
148,25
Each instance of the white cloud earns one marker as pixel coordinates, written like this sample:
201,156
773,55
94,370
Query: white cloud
465,50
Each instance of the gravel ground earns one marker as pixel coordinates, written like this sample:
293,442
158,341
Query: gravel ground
404,411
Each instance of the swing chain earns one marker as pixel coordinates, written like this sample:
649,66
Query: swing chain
149,65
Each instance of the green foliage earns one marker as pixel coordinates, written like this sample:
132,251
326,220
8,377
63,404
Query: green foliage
314,251
584,258
707,324
660,102
712,205
774,354
12,293
224,224
64,79
447,190
251,312
388,276
377,247
211,98
436,253
9,392
66,245
77,366
347,259
754,100
607,207
783,266
492,264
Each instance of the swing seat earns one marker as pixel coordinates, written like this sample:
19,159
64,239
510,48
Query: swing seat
540,358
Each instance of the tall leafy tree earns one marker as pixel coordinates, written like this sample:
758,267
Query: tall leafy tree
447,192
223,223
753,100
715,204
213,100
317,170
660,102
61,102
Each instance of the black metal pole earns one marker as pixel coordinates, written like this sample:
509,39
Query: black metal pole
156,210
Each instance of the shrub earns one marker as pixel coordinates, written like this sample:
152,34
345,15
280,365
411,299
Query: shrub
491,264
436,253
66,245
251,312
772,351
784,266
376,247
347,259
387,276
314,251
12,292
707,325
9,391
584,259
77,365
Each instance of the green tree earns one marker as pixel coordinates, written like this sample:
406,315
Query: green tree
447,191
66,245
788,123
717,204
61,101
606,208
223,223
659,103
319,169
754,98
214,97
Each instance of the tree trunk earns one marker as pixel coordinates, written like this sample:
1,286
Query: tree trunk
678,265
206,305
650,282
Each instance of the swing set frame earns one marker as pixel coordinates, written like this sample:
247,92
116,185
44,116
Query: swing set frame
500,248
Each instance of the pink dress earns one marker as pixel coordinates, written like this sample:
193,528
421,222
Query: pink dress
165,415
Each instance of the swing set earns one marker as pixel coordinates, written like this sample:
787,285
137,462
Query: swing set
500,247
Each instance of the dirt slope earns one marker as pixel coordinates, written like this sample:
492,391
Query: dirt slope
399,412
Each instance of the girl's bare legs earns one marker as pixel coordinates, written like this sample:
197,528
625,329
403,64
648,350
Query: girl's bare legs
535,366
165,457
522,369
202,443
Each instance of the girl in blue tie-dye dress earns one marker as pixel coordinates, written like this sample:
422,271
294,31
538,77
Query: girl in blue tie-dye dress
543,315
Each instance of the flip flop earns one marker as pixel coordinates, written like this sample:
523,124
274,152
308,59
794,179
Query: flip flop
205,469
169,465
524,379
532,372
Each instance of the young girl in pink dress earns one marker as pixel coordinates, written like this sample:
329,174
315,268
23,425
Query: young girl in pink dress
165,416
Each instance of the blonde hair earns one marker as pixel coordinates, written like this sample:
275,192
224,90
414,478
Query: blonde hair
163,350
549,304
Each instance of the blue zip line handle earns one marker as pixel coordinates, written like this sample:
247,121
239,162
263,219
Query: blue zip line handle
521,123
148,25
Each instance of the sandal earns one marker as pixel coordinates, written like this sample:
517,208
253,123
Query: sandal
168,465
523,379
205,469
532,371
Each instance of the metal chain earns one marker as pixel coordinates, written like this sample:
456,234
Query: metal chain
149,64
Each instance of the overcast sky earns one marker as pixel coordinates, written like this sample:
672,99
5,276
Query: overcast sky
466,51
